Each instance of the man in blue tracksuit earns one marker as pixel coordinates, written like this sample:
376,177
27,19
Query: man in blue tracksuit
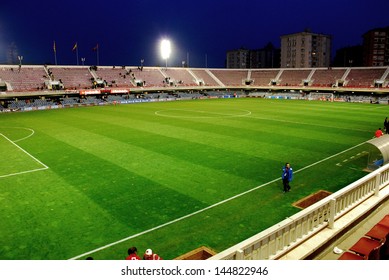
287,176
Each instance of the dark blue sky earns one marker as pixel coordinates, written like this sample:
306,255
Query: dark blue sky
129,30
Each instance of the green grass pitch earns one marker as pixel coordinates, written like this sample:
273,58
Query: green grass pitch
171,176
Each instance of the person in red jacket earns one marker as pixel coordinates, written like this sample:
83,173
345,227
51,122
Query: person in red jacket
149,255
132,254
378,133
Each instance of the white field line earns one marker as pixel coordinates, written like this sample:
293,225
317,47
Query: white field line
221,115
28,136
248,114
27,153
304,123
206,208
25,128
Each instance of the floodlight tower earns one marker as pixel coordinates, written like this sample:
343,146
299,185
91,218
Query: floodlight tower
20,57
165,50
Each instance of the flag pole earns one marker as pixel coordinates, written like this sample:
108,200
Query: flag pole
55,53
75,48
77,54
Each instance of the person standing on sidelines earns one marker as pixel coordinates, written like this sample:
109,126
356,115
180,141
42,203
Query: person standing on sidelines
149,255
287,176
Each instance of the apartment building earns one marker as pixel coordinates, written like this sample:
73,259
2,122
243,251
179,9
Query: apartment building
376,47
305,50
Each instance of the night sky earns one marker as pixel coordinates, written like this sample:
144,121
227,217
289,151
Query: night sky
202,30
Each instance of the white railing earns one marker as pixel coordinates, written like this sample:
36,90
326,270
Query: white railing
291,232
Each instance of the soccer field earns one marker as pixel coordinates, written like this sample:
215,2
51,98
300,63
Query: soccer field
171,176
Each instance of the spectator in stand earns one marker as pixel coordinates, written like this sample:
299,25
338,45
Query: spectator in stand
132,254
378,133
149,255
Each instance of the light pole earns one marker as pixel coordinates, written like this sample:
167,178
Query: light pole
20,57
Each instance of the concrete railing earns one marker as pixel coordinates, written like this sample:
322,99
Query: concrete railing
283,237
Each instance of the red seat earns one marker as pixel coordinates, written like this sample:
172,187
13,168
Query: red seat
350,256
368,248
384,221
379,232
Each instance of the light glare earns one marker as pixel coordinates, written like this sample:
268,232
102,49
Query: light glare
165,49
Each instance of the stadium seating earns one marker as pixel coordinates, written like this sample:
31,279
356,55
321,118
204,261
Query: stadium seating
384,221
264,77
373,246
68,101
326,77
368,248
151,77
180,76
115,77
364,77
230,77
24,78
73,77
203,74
293,77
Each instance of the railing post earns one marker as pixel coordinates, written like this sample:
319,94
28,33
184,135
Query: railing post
239,254
331,219
377,184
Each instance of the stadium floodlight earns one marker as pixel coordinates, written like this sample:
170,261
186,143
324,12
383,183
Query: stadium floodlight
165,49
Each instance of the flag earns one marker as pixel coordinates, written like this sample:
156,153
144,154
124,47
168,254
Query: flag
74,47
96,48
54,47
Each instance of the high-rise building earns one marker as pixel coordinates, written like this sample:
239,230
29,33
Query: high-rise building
350,56
12,54
376,47
238,59
267,57
305,50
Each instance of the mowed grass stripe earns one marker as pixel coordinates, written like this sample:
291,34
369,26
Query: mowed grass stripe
228,154
263,144
48,218
16,160
325,114
243,136
169,171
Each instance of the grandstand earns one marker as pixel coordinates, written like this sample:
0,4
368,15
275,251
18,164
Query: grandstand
30,87
339,84
37,78
344,84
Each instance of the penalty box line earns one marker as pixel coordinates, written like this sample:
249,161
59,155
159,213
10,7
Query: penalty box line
209,207
28,154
